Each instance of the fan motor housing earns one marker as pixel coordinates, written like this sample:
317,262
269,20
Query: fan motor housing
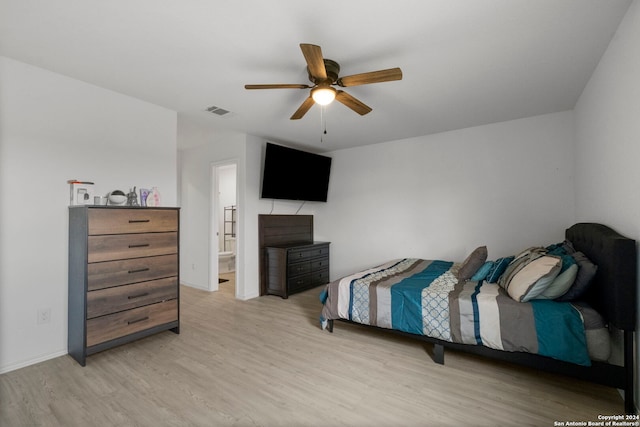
333,70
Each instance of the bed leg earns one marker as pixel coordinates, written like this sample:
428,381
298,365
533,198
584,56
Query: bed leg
629,398
438,354
330,325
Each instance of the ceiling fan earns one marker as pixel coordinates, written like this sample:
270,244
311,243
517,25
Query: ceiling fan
323,73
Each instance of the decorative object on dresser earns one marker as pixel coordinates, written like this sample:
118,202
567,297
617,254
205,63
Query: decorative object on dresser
81,192
296,267
123,276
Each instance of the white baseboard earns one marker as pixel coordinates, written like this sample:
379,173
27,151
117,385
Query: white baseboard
192,285
248,296
24,364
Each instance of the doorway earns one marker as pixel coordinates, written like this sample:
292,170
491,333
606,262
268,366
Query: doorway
224,227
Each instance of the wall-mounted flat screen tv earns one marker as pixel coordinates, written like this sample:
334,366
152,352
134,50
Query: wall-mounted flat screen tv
292,174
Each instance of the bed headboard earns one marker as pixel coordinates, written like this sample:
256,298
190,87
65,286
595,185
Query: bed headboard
614,288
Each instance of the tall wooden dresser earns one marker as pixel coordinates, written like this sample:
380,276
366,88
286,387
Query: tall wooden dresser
123,276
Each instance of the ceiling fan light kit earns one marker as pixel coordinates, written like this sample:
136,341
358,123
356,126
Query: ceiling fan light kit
323,73
323,95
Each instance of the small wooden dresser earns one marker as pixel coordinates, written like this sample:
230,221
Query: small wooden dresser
296,267
123,276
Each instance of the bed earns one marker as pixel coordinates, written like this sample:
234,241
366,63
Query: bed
556,308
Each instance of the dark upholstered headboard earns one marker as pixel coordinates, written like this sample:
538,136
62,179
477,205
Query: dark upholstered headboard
614,289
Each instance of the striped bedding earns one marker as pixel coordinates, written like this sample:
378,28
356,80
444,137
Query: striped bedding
424,297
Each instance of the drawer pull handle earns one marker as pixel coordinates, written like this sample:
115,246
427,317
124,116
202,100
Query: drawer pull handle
142,245
132,221
299,282
140,270
144,294
131,322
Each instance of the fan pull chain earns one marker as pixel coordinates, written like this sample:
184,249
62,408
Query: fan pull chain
323,122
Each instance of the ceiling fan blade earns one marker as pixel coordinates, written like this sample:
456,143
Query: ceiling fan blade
371,77
302,110
315,61
353,103
277,86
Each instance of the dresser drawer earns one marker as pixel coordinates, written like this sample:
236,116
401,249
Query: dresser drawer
123,246
299,283
309,280
308,253
320,277
112,326
299,268
120,298
320,263
115,273
119,221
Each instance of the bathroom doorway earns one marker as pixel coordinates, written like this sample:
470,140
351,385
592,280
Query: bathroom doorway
224,218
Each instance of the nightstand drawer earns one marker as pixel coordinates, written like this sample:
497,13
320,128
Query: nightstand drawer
119,221
123,246
110,327
115,273
120,298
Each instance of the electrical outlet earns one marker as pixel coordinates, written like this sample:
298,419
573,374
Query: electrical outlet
193,266
44,316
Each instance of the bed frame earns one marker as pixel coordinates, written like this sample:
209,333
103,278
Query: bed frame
613,293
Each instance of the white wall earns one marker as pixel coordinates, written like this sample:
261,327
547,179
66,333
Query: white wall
608,134
507,185
53,128
608,138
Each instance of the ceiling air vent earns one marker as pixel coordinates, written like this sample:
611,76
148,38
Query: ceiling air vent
218,111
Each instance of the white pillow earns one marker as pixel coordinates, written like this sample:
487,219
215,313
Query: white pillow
533,278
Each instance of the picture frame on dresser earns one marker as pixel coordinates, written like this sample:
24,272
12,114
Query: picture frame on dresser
123,276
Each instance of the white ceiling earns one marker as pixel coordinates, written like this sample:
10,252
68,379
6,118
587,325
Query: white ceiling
465,62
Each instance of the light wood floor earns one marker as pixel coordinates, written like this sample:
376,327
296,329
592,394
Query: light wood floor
265,362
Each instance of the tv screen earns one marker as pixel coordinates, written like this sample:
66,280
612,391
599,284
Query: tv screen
295,175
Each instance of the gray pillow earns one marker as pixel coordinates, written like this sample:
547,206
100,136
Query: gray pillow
586,273
474,261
